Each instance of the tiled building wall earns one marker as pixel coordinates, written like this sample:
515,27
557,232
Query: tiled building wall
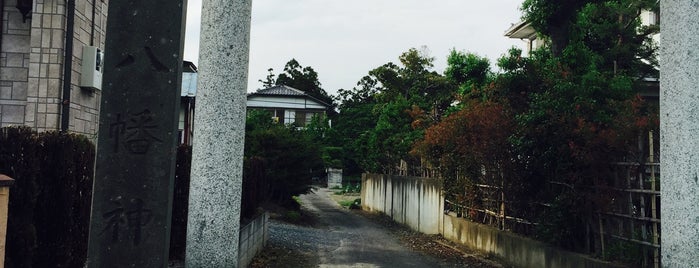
84,108
46,65
14,65
35,86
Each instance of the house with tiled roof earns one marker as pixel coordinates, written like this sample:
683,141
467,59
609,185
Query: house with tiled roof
287,105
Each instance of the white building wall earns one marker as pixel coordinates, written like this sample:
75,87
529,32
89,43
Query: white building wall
651,18
283,103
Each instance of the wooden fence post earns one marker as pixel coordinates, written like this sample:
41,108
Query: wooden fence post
653,205
5,183
601,234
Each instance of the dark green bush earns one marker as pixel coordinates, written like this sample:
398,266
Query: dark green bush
255,187
289,156
180,203
49,209
332,156
50,202
18,159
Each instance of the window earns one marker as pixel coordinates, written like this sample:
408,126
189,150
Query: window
277,115
289,117
301,119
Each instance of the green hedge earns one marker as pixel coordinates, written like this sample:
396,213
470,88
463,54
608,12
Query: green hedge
180,203
255,187
49,210
49,207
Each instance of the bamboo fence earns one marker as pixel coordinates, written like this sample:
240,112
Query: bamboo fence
628,229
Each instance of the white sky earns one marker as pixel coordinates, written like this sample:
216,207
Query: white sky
342,40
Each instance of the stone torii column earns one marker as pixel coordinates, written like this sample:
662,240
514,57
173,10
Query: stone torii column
679,132
219,132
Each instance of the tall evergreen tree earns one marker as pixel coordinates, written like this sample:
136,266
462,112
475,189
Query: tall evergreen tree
303,78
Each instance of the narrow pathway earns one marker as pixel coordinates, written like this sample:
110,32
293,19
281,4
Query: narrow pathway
347,240
362,243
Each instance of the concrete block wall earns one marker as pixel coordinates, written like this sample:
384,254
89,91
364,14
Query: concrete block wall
253,238
515,249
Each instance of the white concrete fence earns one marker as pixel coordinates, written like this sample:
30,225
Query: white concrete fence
415,202
419,204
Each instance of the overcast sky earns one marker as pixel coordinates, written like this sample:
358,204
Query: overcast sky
342,40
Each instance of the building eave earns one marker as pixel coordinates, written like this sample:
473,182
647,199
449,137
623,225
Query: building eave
521,30
297,94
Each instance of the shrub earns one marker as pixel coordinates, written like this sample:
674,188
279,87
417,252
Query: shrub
255,187
289,157
49,210
180,203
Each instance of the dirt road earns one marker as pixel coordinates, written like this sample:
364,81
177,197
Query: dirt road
359,242
343,238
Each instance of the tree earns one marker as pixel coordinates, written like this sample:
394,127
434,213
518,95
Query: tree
581,112
554,19
388,111
415,82
365,92
270,79
392,138
616,21
551,123
303,78
352,125
289,157
379,113
468,70
469,73
467,143
613,31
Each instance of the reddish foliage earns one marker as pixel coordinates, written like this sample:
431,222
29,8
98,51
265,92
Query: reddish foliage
478,132
466,143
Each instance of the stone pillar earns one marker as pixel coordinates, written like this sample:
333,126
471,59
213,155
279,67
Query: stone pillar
137,142
5,183
219,132
679,132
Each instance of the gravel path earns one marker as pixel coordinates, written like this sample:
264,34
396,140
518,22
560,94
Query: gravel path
345,239
358,241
